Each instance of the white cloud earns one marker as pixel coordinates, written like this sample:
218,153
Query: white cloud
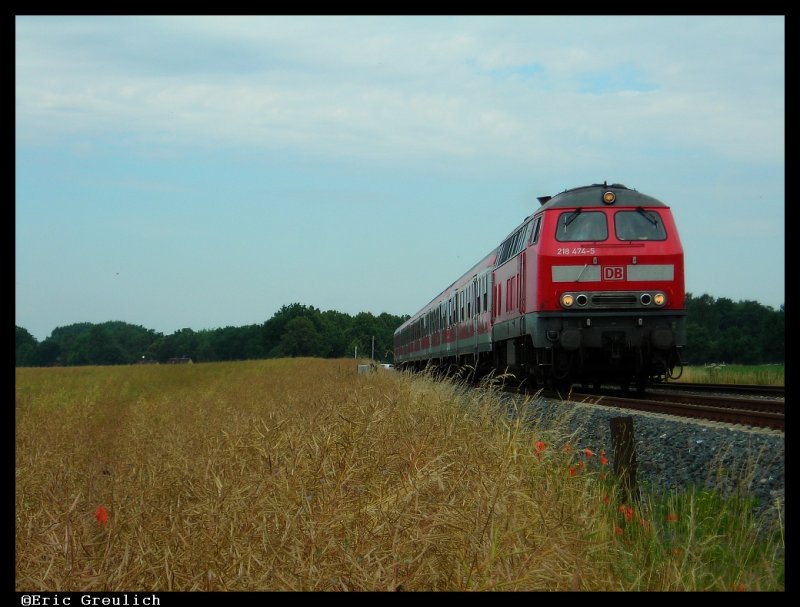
413,88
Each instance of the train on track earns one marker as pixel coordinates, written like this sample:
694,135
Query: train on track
588,289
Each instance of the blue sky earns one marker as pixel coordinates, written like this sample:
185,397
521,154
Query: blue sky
203,171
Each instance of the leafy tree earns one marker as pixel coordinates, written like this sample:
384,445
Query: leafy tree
183,343
102,347
774,334
699,343
205,347
237,343
26,345
362,330
76,350
132,340
300,337
48,353
275,327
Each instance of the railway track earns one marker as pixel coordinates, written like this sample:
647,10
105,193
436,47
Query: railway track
742,389
755,406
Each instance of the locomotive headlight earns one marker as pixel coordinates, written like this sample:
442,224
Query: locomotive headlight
609,197
567,300
659,299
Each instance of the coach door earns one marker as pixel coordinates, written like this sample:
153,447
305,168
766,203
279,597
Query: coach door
521,282
475,297
456,321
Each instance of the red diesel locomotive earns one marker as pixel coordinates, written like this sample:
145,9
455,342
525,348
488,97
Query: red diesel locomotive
587,289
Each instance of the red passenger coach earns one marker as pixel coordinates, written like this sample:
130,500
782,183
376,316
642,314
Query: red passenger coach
455,328
589,288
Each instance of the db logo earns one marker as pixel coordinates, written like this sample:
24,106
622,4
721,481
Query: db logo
613,273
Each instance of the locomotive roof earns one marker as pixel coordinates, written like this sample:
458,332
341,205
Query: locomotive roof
592,196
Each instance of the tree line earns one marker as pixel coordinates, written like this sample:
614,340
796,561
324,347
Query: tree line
718,330
745,332
294,330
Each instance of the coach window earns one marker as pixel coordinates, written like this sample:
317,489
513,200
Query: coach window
639,225
472,299
581,226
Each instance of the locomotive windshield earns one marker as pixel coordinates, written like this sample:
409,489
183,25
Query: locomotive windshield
575,226
639,225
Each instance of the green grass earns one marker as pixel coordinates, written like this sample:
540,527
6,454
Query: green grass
757,375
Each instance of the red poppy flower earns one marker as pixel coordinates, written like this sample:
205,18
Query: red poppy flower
101,514
606,499
628,513
603,460
618,530
588,452
540,446
672,517
573,471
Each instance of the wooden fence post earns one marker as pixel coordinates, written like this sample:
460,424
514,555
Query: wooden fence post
625,455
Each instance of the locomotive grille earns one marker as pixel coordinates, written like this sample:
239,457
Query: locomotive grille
614,300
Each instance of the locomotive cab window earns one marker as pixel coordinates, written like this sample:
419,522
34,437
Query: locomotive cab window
536,227
639,225
580,226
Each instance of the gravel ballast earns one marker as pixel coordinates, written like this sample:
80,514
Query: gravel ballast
675,454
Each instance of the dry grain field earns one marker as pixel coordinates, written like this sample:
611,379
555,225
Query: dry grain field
302,475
